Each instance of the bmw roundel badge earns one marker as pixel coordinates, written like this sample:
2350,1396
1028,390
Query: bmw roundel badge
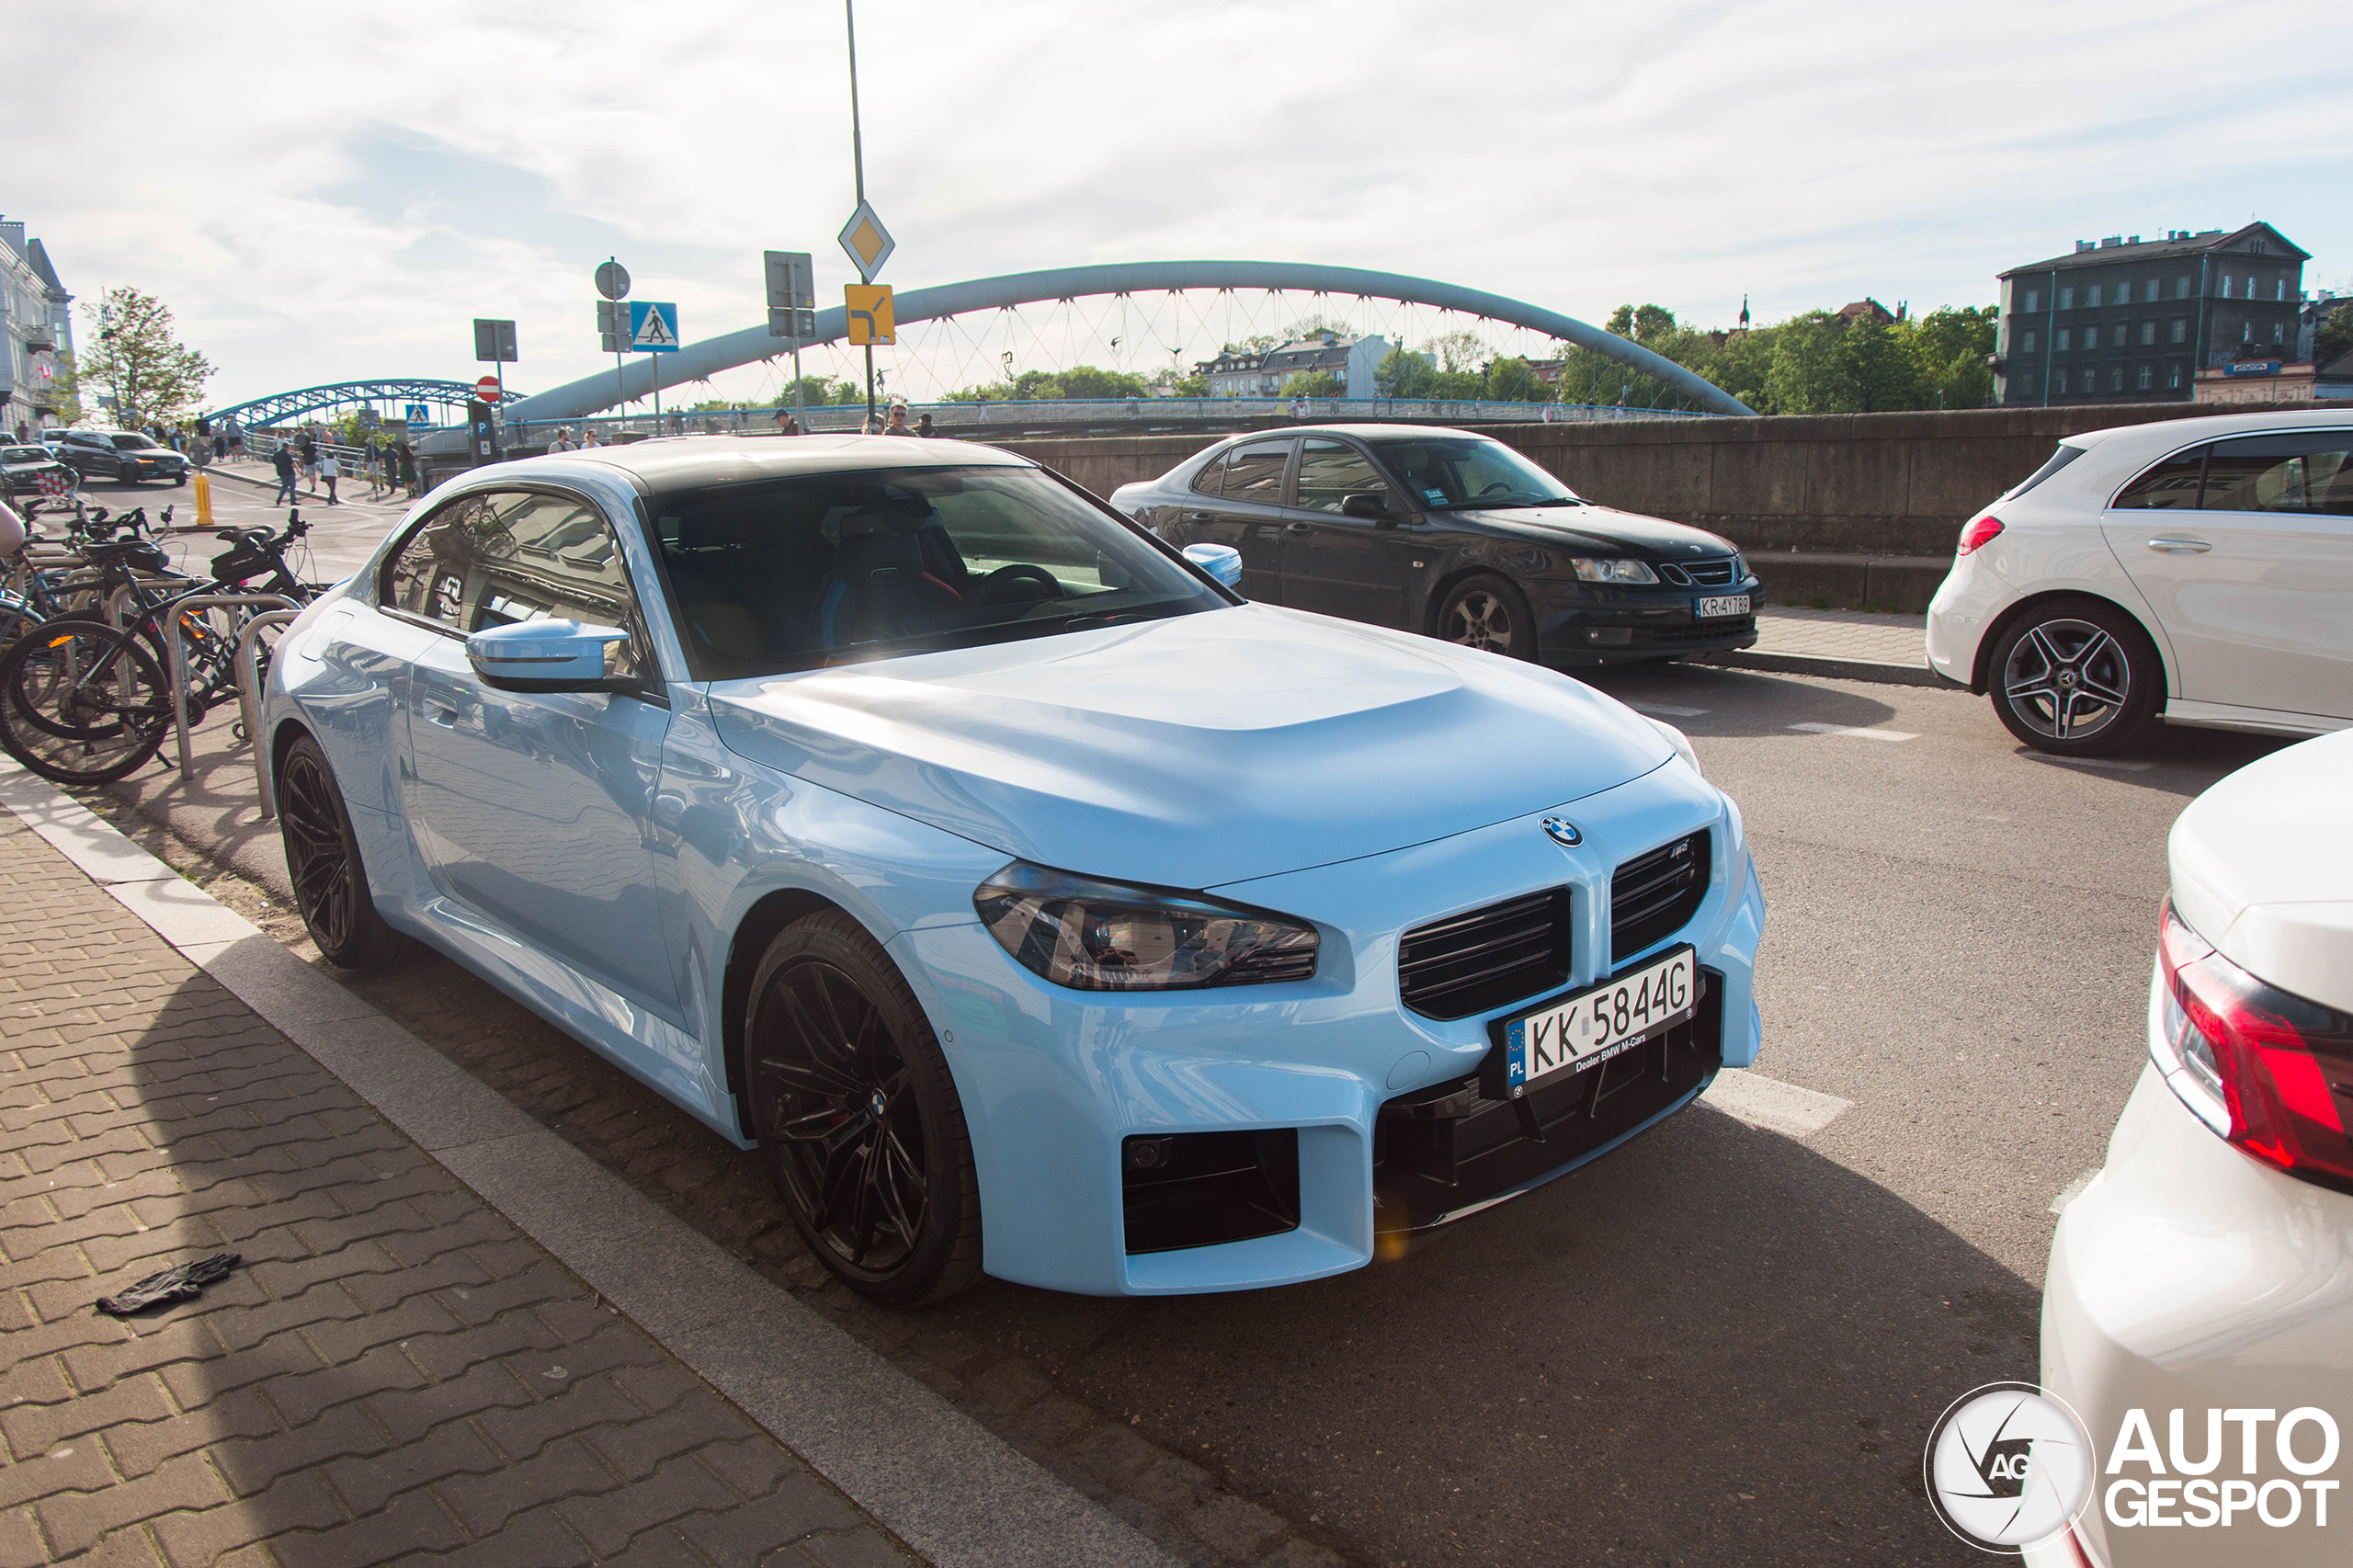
1561,831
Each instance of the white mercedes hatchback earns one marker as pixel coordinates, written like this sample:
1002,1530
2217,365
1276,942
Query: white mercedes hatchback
2197,570
2199,1309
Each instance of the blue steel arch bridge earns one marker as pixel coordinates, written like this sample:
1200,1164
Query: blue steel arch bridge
399,391
1170,300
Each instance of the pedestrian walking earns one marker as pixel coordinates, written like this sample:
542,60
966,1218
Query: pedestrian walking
284,463
306,454
898,422
923,426
563,441
330,471
406,454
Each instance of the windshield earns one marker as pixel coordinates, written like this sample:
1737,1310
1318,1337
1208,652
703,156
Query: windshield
1469,470
132,443
24,454
825,569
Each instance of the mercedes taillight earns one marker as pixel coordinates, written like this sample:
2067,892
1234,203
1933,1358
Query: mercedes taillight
2269,1072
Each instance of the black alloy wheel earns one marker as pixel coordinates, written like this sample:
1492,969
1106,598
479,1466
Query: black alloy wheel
322,857
1484,611
2076,677
858,1116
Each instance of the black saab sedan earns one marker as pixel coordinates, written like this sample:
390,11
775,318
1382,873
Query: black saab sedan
1453,535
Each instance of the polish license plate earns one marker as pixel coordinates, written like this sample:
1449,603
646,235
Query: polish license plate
1722,604
1571,1033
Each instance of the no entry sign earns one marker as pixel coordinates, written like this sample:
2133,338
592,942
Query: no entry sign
487,389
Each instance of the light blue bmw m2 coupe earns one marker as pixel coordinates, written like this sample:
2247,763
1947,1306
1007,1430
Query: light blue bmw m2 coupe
1036,905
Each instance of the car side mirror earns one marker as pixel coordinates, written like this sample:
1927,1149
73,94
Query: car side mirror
547,655
1222,561
1364,504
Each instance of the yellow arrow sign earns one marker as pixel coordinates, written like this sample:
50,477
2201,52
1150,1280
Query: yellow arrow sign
870,313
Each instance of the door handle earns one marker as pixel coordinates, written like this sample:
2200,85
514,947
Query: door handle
444,717
2180,546
1198,517
1299,527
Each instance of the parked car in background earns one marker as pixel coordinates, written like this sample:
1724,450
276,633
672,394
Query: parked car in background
1453,535
1036,905
2201,1278
23,467
2194,570
122,455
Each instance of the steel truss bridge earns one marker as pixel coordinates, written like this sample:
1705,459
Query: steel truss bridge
699,362
279,407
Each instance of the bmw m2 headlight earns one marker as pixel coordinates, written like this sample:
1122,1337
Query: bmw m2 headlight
1610,569
1094,935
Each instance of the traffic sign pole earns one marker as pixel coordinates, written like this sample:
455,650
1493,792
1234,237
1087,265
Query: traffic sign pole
858,168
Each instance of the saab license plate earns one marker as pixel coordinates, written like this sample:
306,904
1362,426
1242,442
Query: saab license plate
1722,604
1573,1033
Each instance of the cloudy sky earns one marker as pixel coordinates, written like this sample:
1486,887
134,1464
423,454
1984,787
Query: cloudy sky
326,193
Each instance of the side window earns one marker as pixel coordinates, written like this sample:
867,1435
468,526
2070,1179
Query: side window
494,559
2171,486
2302,472
1255,472
1212,473
1331,469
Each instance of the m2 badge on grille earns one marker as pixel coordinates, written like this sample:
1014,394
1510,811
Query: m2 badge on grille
1571,1033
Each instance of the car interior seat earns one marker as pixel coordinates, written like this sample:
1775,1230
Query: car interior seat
895,561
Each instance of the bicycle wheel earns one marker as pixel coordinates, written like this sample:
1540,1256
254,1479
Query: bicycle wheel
82,702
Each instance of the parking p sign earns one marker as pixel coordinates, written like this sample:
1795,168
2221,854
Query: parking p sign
653,327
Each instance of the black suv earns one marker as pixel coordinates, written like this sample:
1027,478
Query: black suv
119,454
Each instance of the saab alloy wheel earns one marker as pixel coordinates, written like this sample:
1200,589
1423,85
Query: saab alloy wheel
858,1116
1484,611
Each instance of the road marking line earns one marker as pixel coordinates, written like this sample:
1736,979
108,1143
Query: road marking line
1665,709
2072,1190
1812,729
2093,762
1759,1101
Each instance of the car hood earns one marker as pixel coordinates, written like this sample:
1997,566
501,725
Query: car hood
2263,868
1205,749
1602,528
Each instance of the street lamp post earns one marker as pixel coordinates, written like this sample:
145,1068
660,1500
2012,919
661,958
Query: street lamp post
858,168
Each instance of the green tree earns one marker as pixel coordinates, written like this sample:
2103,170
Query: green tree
1086,382
1807,377
1317,325
1514,381
1952,345
65,391
1402,374
135,356
1313,383
1880,367
2335,339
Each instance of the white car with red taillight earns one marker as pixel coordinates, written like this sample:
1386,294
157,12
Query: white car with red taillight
2208,1269
2200,571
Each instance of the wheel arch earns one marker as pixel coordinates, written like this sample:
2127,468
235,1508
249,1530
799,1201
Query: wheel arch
1980,675
290,729
1462,569
746,945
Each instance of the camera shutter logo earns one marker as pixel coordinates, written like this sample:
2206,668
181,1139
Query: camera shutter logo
2009,1465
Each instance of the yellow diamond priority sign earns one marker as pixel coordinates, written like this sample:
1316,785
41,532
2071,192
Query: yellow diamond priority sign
871,315
868,243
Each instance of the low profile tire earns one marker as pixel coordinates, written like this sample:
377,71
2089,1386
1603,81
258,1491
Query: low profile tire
858,1117
2076,677
1484,611
322,857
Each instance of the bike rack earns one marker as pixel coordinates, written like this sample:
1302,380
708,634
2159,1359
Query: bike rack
247,665
175,655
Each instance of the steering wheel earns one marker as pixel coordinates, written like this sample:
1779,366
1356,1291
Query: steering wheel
1501,484
993,588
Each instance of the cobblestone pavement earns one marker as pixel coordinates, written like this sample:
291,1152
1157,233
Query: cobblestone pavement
393,1373
1029,1390
1871,635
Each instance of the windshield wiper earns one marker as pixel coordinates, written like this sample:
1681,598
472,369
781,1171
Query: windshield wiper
1553,501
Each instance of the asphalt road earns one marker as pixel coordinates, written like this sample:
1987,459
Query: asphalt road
1719,1345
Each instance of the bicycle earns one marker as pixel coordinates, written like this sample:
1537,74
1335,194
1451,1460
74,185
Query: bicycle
85,700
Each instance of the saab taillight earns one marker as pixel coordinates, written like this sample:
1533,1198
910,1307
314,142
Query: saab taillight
2268,1072
1978,533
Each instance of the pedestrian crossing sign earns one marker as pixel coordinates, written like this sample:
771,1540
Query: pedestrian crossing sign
653,327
